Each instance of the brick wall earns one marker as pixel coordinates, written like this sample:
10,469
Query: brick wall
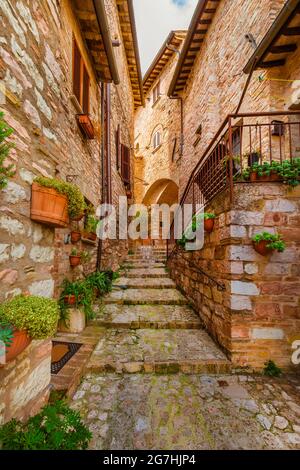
24,382
258,315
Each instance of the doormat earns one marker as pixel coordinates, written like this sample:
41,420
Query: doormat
61,354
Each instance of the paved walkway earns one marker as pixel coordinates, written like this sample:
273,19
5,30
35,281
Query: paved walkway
156,380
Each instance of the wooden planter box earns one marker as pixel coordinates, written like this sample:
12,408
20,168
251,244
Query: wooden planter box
86,126
48,207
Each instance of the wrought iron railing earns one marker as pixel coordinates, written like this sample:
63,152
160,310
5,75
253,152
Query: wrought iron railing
243,139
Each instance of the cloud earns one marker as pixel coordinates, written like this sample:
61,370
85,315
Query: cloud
155,19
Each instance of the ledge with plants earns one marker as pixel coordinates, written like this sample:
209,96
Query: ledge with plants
6,171
54,201
288,172
23,319
266,243
89,233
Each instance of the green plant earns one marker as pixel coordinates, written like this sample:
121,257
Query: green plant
288,170
197,221
74,252
5,147
101,281
84,296
37,315
91,224
130,252
275,242
76,202
272,370
56,427
6,334
85,257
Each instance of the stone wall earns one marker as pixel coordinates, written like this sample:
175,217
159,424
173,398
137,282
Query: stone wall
24,382
153,165
257,317
215,85
36,69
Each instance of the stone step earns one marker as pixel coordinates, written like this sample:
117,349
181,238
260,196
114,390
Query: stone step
143,259
146,296
147,316
145,283
157,351
143,264
147,272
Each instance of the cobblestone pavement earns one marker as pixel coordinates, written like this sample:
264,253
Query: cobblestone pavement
181,411
148,384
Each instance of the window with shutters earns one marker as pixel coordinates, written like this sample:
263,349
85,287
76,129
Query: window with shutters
118,148
156,93
156,140
125,164
81,79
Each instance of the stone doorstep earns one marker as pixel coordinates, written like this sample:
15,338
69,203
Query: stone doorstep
69,376
187,367
163,325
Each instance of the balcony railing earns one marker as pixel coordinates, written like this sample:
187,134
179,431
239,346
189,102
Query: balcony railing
243,139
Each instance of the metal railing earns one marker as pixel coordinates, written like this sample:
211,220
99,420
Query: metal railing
243,139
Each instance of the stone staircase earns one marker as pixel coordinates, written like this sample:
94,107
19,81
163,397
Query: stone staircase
150,327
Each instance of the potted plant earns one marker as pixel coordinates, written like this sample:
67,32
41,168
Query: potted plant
85,257
53,202
75,236
90,228
32,318
6,339
209,221
6,171
73,319
100,282
289,171
75,258
265,243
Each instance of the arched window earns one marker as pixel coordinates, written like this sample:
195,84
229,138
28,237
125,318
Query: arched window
156,139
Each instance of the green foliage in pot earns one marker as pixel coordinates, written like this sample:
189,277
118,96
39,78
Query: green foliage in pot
6,333
272,370
74,252
91,224
197,221
288,170
5,147
84,296
101,281
56,427
76,202
275,242
37,315
85,257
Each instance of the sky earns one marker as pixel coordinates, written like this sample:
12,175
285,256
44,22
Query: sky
155,19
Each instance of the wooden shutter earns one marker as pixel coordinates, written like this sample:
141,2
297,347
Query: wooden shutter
125,171
76,71
85,91
118,147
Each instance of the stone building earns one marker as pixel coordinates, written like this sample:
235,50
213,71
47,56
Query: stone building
240,93
59,59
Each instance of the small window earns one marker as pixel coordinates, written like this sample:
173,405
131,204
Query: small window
156,93
81,80
156,140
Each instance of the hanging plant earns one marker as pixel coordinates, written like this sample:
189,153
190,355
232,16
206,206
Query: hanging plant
265,243
6,172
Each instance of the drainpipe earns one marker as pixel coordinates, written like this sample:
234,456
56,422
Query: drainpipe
108,143
177,51
102,166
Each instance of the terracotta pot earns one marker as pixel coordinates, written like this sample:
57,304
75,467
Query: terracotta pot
89,236
275,176
70,299
209,225
261,247
75,237
20,342
75,261
253,176
48,206
78,218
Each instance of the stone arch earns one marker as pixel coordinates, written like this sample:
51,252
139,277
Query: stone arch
163,191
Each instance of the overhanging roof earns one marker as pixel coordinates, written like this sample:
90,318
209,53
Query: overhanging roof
128,27
282,39
162,58
197,31
93,23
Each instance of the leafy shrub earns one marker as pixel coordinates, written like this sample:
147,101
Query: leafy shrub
76,202
288,170
272,370
5,171
101,281
91,224
197,221
6,333
37,315
56,427
275,241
